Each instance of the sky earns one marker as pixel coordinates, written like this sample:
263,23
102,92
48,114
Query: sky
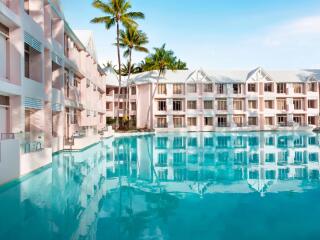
217,34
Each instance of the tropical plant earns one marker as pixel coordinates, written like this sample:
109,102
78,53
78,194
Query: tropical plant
116,13
132,68
161,60
180,65
131,40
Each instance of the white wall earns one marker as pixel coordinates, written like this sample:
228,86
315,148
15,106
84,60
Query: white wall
9,160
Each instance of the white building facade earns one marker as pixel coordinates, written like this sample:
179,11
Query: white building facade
222,100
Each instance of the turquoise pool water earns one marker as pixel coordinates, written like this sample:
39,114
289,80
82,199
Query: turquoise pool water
173,186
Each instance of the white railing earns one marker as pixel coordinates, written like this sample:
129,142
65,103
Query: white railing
30,141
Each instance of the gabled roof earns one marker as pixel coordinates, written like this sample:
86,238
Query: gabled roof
223,76
231,76
179,76
86,37
293,76
112,77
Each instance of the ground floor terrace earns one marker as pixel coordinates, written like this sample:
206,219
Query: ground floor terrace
235,122
32,130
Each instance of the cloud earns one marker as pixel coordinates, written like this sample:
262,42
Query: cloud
300,32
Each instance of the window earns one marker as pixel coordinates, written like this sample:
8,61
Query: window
281,104
281,88
133,90
221,88
297,88
252,121
71,116
179,143
236,88
252,87
192,104
4,50
208,87
312,104
269,141
178,158
177,105
192,121
108,91
66,45
238,120
298,104
222,121
270,157
178,89
252,104
177,122
312,120
268,104
192,88
162,159
208,121
109,106
268,121
299,119
162,105
26,61
162,122
162,89
208,104
268,87
222,104
192,142
282,119
26,6
133,106
313,157
312,87
238,104
123,91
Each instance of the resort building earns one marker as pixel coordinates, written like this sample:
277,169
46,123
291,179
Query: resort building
222,100
52,90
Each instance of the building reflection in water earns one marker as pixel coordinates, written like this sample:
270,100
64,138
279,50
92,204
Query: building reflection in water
211,163
129,187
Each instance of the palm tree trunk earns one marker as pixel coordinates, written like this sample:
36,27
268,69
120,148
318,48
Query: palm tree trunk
128,87
153,94
119,79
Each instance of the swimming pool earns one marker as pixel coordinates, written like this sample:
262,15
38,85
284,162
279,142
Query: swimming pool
172,186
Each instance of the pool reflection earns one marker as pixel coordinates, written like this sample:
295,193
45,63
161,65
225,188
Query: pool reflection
132,187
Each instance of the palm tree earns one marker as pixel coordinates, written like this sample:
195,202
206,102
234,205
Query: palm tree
132,68
132,39
116,13
180,65
161,60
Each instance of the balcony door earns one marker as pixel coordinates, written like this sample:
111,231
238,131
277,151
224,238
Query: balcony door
3,56
3,119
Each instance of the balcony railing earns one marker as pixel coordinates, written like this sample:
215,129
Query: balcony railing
31,141
6,136
223,124
121,96
162,125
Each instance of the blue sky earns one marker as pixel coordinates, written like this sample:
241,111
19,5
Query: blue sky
216,34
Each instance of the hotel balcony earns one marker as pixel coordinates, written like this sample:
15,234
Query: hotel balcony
122,97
